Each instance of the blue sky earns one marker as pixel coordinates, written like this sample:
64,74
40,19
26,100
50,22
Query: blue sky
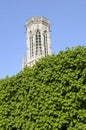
68,28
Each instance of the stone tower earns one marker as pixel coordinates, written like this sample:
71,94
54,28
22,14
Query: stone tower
37,38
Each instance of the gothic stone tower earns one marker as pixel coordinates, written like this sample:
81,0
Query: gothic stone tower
37,38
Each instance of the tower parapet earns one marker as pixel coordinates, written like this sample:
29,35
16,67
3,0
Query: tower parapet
36,20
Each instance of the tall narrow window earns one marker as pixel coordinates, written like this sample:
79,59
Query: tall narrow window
38,43
45,43
31,46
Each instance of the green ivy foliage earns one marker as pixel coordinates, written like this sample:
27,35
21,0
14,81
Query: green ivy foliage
51,95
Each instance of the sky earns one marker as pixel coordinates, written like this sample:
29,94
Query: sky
68,28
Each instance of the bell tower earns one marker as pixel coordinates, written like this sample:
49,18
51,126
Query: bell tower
37,39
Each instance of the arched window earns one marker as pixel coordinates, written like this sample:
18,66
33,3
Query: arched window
45,43
38,43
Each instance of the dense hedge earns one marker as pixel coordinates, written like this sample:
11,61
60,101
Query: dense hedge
51,95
